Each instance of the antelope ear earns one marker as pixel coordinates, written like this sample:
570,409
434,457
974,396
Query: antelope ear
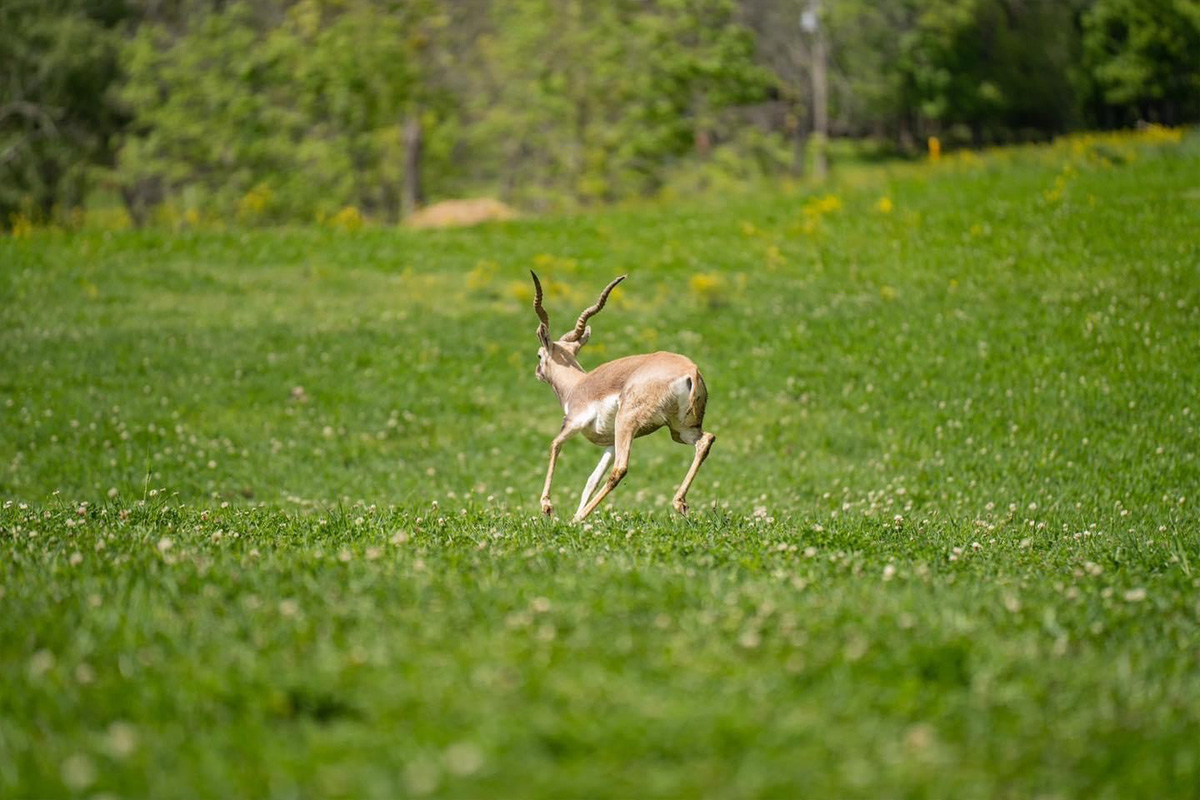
543,334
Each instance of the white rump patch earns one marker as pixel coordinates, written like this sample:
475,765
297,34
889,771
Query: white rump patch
682,387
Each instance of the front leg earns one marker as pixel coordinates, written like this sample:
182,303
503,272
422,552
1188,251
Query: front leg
623,439
555,446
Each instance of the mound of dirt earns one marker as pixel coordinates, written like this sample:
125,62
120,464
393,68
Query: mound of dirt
461,213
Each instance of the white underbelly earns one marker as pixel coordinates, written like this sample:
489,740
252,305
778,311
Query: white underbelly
601,420
598,422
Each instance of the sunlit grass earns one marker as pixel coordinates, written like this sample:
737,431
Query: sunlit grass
270,520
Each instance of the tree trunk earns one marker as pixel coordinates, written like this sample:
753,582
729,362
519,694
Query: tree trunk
820,92
411,196
799,144
133,206
904,134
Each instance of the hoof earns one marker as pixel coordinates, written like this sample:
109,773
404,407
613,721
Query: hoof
681,506
547,509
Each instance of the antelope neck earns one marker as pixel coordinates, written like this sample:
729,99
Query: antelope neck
563,380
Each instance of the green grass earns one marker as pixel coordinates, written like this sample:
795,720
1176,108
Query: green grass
946,544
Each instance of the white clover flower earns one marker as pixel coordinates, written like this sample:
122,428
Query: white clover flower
78,772
121,740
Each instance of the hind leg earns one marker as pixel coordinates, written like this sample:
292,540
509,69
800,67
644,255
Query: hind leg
703,442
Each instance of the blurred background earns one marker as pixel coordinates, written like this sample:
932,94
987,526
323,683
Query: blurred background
122,113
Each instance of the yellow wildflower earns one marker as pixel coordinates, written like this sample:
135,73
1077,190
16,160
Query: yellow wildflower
707,286
482,274
22,226
348,219
255,201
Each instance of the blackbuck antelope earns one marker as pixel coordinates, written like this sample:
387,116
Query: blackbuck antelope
618,402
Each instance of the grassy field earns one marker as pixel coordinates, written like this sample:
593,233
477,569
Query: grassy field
270,521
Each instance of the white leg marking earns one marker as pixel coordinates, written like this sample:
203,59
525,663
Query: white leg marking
601,468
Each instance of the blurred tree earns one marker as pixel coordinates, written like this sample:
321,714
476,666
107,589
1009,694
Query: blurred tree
279,116
272,110
904,69
1144,56
1030,74
785,51
994,67
591,101
56,120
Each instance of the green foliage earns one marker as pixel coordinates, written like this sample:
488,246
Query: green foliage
271,122
749,159
946,544
568,115
274,111
1145,54
59,60
994,68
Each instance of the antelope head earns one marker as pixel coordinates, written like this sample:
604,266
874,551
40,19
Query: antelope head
562,354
